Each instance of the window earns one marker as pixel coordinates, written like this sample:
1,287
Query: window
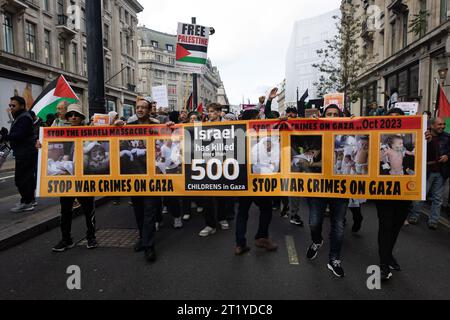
30,39
159,74
46,5
394,36
129,75
107,69
423,10
122,68
171,61
405,29
172,76
75,58
106,36
154,44
47,47
127,17
121,42
85,62
8,33
172,89
83,20
62,53
127,44
60,7
443,14
169,47
159,58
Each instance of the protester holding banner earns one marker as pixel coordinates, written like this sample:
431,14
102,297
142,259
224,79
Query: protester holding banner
338,210
262,239
22,140
145,208
76,118
391,217
221,205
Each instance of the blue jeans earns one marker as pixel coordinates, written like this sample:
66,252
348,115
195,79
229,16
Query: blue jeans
338,210
435,184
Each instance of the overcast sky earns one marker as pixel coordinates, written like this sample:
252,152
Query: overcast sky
251,40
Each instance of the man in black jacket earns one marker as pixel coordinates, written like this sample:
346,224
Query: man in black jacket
22,140
438,155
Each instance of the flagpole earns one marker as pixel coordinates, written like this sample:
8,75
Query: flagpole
436,102
194,79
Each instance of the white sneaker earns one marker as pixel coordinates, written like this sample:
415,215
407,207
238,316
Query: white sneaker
186,217
207,232
34,203
224,225
22,208
199,209
165,210
178,223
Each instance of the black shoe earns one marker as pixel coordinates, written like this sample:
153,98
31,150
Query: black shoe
432,226
150,255
295,219
393,265
386,274
138,246
357,221
284,212
92,244
63,245
313,250
335,267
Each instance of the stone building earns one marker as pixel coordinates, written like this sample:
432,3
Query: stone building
407,46
41,39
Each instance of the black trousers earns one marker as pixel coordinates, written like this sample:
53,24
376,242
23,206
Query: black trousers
145,209
215,209
25,178
88,207
265,217
391,217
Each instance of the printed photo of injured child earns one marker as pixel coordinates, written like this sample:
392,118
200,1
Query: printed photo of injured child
351,155
306,154
397,154
96,158
60,159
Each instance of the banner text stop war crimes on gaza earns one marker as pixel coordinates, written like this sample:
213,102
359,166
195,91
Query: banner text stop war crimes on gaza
369,158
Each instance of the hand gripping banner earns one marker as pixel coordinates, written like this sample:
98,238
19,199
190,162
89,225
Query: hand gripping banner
360,158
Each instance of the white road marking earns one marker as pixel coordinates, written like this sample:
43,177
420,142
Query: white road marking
292,252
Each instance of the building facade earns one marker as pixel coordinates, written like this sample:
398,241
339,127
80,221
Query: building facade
157,53
407,43
42,39
308,36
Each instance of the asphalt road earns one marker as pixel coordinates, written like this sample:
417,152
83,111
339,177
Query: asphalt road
191,268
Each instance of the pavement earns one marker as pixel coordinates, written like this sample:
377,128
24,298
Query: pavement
193,268
16,228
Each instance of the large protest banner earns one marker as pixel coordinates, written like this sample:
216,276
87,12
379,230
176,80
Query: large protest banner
369,158
192,48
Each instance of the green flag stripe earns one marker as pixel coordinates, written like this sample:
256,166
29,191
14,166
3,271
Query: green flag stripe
193,60
51,108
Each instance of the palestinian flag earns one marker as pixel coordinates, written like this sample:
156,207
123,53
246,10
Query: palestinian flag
200,108
192,53
57,91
